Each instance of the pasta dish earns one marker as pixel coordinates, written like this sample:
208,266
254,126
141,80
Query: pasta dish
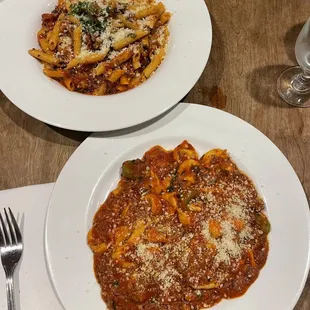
179,232
102,47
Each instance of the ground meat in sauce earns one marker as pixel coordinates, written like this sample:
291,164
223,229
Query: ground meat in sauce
179,232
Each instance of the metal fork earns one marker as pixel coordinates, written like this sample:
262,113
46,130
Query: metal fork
11,249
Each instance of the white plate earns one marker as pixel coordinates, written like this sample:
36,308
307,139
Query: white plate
93,170
22,80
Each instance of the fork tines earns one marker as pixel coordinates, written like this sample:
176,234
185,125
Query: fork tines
13,237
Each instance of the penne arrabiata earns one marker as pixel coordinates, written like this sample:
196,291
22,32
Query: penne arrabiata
102,47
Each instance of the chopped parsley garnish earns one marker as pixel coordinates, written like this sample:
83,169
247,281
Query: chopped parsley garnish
92,17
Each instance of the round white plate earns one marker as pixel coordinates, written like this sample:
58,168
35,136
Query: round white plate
93,171
23,82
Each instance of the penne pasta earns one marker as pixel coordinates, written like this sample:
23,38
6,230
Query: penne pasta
117,23
153,9
122,88
121,58
61,3
44,45
73,19
155,62
99,50
67,5
112,5
69,84
73,63
43,42
145,42
41,32
164,19
135,81
77,40
160,8
127,23
101,68
152,21
54,73
136,59
101,90
51,59
48,36
82,85
116,61
96,57
90,59
115,75
48,66
124,80
53,41
138,34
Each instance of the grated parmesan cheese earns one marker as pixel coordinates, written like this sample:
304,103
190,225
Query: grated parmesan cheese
113,54
145,23
226,247
237,211
160,269
161,36
65,42
167,277
105,37
121,34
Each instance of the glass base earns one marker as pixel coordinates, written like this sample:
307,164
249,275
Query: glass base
288,92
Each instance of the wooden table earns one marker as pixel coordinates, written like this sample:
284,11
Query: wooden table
253,42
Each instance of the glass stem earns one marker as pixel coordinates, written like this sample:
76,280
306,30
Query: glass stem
301,83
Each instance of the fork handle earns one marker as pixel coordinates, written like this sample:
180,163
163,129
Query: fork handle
10,292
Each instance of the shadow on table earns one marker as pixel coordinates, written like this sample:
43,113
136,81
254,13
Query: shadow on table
78,136
262,86
38,128
262,82
303,300
213,71
290,40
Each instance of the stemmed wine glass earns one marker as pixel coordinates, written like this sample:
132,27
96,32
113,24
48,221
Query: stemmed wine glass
294,83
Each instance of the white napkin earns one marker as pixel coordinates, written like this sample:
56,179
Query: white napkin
33,287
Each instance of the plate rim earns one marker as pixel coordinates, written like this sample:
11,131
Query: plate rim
98,135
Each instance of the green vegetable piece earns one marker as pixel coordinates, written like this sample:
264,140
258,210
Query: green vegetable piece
263,222
131,169
191,195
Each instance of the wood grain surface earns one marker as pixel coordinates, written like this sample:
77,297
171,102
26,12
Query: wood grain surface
253,42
